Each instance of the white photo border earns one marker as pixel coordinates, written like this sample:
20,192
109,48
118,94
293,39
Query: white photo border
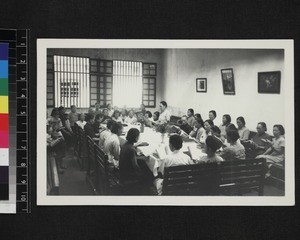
288,91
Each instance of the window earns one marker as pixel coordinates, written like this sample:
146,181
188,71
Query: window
127,83
71,81
149,84
50,81
101,82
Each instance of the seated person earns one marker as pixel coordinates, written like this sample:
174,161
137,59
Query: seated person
109,109
242,130
81,121
235,150
212,115
129,168
198,129
259,143
105,133
176,158
191,120
91,111
215,131
130,119
275,153
148,119
207,126
226,120
97,109
89,128
73,116
112,143
165,114
212,144
123,115
98,120
116,117
198,116
143,109
139,117
105,114
155,118
184,125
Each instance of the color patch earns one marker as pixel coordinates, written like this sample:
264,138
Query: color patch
3,104
3,86
4,139
4,157
3,68
4,122
4,51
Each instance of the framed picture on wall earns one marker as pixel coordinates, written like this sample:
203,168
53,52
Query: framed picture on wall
201,84
228,81
269,82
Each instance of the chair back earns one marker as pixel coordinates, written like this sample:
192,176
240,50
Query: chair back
91,154
101,171
238,176
198,179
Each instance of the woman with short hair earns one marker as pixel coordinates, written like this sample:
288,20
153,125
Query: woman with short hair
226,120
207,126
275,153
242,130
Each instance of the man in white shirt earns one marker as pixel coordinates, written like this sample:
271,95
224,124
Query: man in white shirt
130,119
112,143
105,133
165,114
176,158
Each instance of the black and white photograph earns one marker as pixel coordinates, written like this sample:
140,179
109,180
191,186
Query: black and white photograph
120,122
269,82
201,85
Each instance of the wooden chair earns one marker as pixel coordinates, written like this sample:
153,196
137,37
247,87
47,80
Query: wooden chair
82,149
198,179
240,176
277,177
101,171
52,176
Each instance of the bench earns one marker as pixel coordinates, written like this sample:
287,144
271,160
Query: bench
226,178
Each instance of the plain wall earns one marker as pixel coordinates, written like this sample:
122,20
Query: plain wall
143,55
183,66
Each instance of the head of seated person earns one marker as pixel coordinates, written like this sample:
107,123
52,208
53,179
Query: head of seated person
184,120
261,128
73,109
190,112
116,114
215,131
198,116
117,128
109,124
226,120
212,144
123,113
208,124
97,106
240,121
199,123
175,142
91,110
90,118
230,127
81,117
232,136
148,114
99,117
131,114
133,136
55,113
163,105
212,115
278,130
155,116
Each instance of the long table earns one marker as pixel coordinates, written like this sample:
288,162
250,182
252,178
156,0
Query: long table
159,144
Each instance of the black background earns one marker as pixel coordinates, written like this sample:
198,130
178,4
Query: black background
167,19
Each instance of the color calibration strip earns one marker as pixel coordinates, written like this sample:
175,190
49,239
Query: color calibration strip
4,129
17,121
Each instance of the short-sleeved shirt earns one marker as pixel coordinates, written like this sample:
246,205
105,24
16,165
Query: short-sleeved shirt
105,134
112,146
191,121
235,151
175,158
244,133
165,116
277,145
204,136
54,125
129,120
